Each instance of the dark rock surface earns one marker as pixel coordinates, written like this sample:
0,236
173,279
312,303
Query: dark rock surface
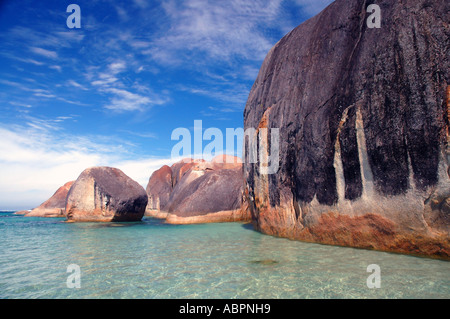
54,206
363,127
105,194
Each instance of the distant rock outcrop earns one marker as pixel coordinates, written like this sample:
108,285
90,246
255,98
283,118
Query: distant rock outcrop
22,212
201,192
363,121
105,194
54,206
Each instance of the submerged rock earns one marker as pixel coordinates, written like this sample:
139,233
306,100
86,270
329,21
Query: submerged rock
363,122
54,206
105,194
265,262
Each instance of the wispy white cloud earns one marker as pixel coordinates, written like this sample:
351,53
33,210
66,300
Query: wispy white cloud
14,84
67,38
141,134
44,52
25,60
45,95
105,79
122,13
20,104
218,29
127,101
117,67
56,67
40,93
124,100
76,84
56,39
26,88
141,3
234,95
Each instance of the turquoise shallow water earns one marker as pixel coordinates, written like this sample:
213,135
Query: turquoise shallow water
154,260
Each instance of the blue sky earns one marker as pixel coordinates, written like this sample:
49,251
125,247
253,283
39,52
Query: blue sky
112,92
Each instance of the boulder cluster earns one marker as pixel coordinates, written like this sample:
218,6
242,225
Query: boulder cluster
363,116
188,192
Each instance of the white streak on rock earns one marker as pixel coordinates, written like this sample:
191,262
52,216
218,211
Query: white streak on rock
366,171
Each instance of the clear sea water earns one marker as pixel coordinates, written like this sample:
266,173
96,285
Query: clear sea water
153,260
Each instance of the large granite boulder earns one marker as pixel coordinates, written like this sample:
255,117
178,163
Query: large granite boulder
207,193
54,206
201,192
363,122
105,194
161,184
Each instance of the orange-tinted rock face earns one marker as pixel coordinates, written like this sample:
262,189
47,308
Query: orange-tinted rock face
363,149
159,188
200,192
105,194
180,168
54,206
227,162
369,231
204,192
